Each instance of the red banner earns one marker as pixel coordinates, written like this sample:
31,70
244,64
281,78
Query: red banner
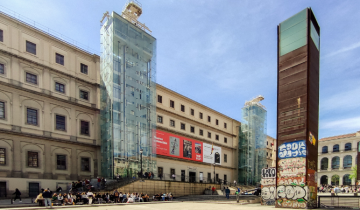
178,146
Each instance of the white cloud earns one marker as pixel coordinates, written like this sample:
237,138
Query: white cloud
342,124
343,50
345,100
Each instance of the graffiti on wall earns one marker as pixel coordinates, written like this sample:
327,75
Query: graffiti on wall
292,167
292,149
268,188
292,196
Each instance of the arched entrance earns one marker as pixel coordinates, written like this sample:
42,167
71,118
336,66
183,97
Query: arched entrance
324,180
335,180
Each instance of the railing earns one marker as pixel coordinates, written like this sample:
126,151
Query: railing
343,202
27,21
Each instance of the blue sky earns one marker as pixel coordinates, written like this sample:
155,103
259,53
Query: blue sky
222,53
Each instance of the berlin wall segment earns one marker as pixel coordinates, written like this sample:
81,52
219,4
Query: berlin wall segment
297,111
268,186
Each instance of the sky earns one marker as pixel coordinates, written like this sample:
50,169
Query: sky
222,53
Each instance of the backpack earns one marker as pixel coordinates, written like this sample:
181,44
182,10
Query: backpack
116,194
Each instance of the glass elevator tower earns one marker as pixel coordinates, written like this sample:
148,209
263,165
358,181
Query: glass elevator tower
128,90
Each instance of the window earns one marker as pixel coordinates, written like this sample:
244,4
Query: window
59,87
172,123
335,163
83,68
1,35
347,163
225,140
32,116
267,143
84,95
216,137
182,126
31,78
182,108
85,164
267,154
59,59
200,115
61,162
84,128
324,149
30,47
347,146
225,125
209,177
2,156
192,129
2,110
209,119
60,123
160,119
159,98
192,112
2,68
225,158
33,159
201,132
336,148
225,178
217,122
209,135
172,104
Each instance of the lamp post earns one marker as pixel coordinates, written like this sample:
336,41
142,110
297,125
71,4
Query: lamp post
141,151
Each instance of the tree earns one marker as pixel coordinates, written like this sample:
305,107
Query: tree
353,174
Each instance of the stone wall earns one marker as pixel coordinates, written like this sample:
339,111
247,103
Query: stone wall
152,187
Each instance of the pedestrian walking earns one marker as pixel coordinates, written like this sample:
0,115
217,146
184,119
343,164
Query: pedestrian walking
238,193
227,192
17,194
47,198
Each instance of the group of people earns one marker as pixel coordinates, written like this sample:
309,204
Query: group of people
146,175
84,185
337,189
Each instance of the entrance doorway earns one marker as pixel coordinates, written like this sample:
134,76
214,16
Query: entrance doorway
2,189
192,176
34,190
183,175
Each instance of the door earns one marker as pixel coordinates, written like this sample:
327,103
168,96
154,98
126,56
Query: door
225,179
34,190
160,172
183,175
201,177
2,189
192,176
217,177
209,177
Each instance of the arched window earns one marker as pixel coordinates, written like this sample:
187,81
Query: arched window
347,161
336,148
324,180
324,149
347,146
335,163
346,179
324,163
335,180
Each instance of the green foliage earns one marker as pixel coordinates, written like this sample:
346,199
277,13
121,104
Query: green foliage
353,174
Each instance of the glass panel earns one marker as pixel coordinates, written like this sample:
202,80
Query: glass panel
61,162
293,20
324,163
32,159
31,78
2,156
2,110
30,47
60,122
335,163
32,116
85,164
84,128
347,146
315,36
1,35
293,30
2,68
293,46
336,148
347,161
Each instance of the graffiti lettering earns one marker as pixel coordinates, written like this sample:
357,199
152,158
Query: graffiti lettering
268,173
293,192
292,149
292,167
266,182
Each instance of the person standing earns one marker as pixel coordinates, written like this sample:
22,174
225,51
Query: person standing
17,194
213,190
238,194
47,198
227,192
90,196
98,183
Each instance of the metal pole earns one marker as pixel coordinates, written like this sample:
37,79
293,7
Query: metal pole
141,165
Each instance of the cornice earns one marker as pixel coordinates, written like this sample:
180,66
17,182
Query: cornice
198,123
194,137
4,131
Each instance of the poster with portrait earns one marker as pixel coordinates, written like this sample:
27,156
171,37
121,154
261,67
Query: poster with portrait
211,157
174,146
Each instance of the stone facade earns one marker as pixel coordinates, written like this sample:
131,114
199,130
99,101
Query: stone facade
270,151
336,156
223,129
49,110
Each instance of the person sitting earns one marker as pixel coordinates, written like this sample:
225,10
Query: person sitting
105,198
78,198
84,198
60,198
39,199
54,197
124,198
66,199
146,198
99,198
